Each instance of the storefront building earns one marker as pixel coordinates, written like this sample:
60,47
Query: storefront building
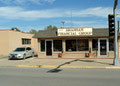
75,43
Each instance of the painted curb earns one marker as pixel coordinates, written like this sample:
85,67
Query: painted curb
54,66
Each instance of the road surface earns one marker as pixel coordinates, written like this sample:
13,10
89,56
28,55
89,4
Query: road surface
11,76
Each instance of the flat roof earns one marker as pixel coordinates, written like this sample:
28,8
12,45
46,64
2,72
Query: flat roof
15,31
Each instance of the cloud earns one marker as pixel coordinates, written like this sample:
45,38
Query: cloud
21,13
83,22
24,2
88,23
98,11
18,13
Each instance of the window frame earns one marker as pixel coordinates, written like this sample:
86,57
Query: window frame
26,41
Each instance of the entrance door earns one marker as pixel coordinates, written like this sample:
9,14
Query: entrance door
103,47
48,48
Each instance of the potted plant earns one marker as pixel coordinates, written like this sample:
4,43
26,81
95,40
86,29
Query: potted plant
61,54
89,54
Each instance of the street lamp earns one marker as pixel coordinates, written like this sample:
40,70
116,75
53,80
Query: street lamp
115,61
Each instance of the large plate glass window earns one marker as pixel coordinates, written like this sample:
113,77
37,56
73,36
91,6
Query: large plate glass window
95,44
42,45
77,45
70,45
83,45
57,45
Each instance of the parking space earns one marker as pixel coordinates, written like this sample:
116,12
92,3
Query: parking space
6,62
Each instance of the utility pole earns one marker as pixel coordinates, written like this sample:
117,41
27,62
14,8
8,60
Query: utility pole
115,61
63,22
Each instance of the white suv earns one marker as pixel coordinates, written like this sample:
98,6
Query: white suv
21,53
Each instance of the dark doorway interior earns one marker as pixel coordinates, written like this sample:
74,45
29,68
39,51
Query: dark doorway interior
49,48
103,47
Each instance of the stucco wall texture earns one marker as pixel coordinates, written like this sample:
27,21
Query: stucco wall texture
9,40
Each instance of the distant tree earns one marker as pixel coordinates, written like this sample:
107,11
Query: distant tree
50,27
15,28
33,31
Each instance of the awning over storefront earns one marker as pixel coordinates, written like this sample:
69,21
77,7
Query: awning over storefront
96,32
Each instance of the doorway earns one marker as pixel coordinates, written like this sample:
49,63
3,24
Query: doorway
48,47
103,47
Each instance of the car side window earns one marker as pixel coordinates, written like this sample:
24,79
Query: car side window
28,49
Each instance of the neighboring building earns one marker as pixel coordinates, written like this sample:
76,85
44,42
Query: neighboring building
11,39
76,43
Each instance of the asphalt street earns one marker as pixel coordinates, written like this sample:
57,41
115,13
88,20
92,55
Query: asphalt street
12,76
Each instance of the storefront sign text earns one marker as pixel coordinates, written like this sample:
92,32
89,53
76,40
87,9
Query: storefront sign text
75,32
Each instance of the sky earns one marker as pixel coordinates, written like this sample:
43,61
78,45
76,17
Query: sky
38,14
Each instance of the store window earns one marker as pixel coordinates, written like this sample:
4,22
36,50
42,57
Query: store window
42,47
57,45
111,44
77,45
26,41
94,44
83,44
70,45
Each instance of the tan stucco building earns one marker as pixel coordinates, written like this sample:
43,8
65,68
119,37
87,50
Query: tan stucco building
97,44
94,43
11,39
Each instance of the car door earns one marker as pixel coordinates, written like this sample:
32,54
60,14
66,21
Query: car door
29,52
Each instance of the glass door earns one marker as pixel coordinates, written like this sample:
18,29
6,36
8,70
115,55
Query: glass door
103,47
48,48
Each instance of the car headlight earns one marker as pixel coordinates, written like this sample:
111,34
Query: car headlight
18,55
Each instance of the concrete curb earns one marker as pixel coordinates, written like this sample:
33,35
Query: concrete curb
83,67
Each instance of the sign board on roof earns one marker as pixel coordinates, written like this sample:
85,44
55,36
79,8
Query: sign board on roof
75,32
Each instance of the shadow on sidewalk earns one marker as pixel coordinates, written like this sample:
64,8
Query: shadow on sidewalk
57,69
96,62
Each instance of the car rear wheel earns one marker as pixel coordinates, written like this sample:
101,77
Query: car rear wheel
32,54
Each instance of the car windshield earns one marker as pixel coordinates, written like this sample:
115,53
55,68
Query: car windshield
19,49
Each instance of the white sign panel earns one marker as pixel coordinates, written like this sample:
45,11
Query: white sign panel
75,32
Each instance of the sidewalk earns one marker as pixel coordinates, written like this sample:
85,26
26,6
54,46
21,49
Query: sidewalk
59,63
